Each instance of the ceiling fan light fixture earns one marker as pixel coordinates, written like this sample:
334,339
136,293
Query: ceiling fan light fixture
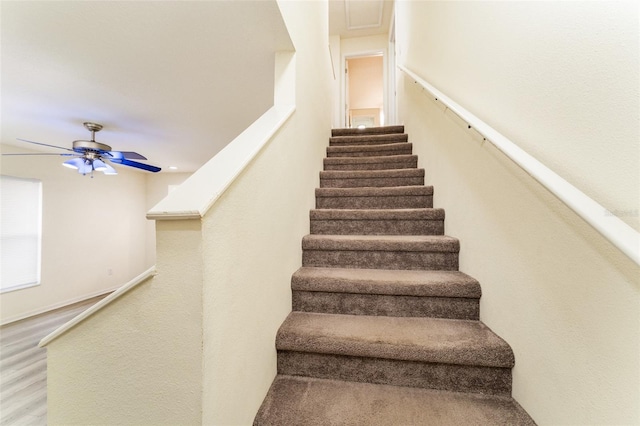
108,170
99,165
86,167
74,163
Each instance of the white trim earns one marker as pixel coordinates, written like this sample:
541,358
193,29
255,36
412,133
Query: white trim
174,215
621,235
347,13
385,81
98,306
392,104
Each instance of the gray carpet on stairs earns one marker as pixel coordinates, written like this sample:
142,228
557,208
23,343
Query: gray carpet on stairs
385,330
315,402
426,221
385,162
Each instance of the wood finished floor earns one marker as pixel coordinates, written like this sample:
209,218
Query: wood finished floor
23,365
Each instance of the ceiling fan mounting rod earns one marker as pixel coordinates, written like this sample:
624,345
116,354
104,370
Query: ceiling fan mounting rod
93,128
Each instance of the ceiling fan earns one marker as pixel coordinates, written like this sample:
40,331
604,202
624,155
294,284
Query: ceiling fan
90,155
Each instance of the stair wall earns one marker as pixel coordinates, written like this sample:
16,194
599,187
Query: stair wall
552,286
139,359
251,237
251,242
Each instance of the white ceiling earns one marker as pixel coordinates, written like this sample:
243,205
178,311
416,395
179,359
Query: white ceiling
174,81
358,18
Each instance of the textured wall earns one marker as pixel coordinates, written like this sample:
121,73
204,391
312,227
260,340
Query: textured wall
252,236
157,185
560,80
139,360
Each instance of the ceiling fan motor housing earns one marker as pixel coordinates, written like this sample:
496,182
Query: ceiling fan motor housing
88,147
82,146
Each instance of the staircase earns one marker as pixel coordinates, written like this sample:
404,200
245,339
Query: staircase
385,330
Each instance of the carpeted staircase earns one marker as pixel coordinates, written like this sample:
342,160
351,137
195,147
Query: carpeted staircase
385,330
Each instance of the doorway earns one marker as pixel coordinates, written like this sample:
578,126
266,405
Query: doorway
364,91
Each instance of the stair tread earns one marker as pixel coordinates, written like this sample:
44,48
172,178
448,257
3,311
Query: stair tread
377,214
431,243
313,402
417,190
368,130
372,139
376,159
422,339
368,174
364,148
386,281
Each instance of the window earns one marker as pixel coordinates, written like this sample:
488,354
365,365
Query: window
20,232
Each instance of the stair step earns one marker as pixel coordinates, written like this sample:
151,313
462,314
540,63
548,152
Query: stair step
427,221
436,294
313,402
368,139
367,131
404,197
444,354
371,178
371,163
401,148
423,252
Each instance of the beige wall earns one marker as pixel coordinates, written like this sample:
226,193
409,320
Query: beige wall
158,186
365,82
139,360
560,80
252,236
93,233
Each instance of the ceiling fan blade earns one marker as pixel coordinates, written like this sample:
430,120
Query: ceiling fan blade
43,153
44,144
126,154
135,164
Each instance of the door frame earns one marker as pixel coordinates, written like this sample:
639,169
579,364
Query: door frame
392,117
344,85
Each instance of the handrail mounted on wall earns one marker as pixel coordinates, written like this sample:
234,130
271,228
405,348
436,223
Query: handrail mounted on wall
620,234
